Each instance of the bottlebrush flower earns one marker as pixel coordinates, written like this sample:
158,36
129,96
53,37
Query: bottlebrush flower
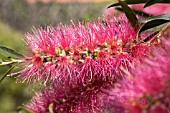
74,98
82,63
82,52
148,89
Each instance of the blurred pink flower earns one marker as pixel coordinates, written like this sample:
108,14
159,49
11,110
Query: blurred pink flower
149,88
74,98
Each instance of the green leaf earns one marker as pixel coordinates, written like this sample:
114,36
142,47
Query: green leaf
159,17
21,109
154,21
51,108
7,51
129,2
149,97
138,12
129,14
151,2
151,24
3,77
137,2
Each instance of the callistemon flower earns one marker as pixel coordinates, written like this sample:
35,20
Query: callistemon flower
74,98
96,49
82,63
148,89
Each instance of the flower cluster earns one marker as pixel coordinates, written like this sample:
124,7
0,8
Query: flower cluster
74,98
96,49
82,64
110,65
148,89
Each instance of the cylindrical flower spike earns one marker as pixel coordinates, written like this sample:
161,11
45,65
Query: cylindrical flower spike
148,89
75,98
96,49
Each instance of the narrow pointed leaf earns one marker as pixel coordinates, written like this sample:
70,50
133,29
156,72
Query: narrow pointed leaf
137,2
152,24
159,17
3,77
21,109
129,2
129,14
138,12
7,52
151,2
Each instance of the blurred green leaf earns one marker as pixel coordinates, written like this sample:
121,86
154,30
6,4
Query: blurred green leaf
149,97
137,2
154,21
138,12
151,24
7,51
159,17
21,109
51,108
129,2
1,61
4,59
151,2
3,77
129,14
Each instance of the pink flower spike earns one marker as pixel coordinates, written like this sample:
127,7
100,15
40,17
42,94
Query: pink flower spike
96,49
